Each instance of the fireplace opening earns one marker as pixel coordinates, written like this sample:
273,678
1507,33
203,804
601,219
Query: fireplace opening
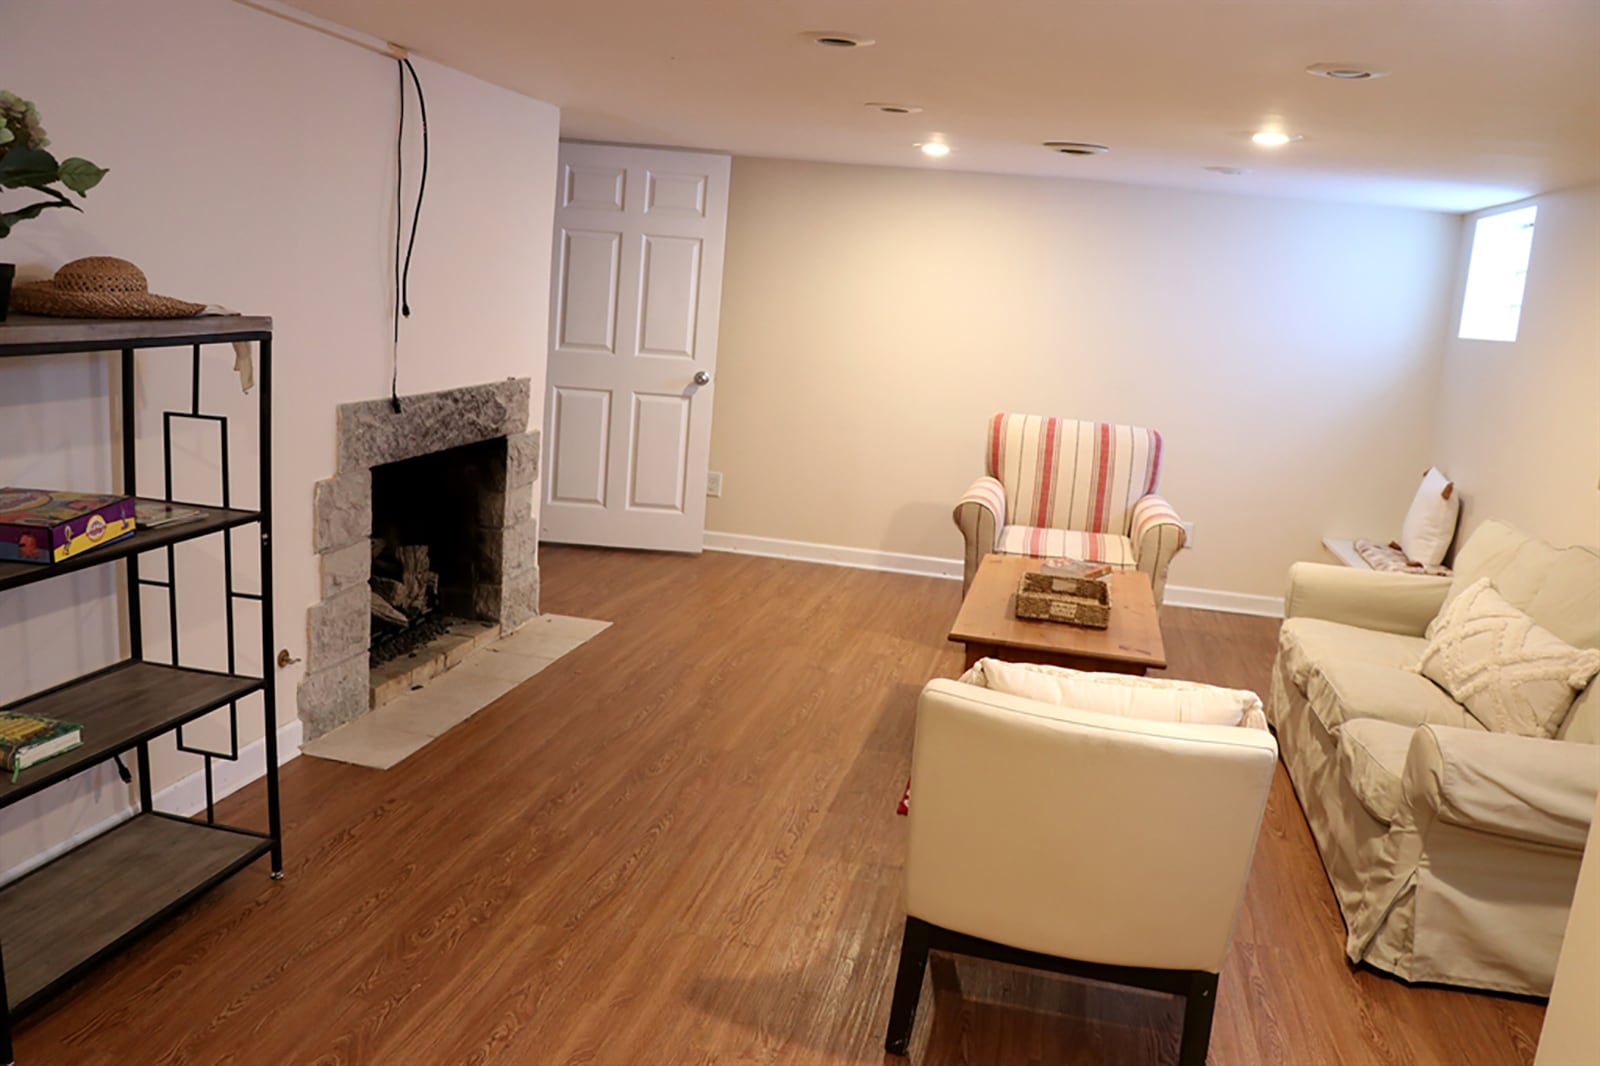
436,542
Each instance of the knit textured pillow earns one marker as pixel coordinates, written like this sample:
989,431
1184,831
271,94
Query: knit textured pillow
1510,673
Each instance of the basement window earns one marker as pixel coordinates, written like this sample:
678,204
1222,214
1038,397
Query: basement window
1496,274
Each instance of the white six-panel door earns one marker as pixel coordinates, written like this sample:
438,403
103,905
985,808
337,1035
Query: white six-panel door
636,287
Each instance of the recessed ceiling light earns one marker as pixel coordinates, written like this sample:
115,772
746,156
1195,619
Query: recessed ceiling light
1076,147
840,40
1273,138
1232,172
1345,71
936,149
895,109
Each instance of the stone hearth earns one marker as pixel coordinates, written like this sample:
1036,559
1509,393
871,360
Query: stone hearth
335,688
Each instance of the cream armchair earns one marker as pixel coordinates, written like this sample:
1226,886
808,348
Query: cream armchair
1078,842
1083,490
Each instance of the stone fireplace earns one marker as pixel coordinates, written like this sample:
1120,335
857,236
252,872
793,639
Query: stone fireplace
430,514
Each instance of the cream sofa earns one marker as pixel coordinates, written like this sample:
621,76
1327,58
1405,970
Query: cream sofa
1453,851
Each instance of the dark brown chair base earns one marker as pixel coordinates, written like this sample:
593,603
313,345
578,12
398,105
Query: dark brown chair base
1198,987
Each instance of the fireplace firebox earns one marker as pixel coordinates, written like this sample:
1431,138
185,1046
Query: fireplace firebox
436,552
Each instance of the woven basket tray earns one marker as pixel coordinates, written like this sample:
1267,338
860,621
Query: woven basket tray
1073,600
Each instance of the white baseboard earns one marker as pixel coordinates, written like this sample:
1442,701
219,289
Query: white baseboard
833,555
932,566
1231,602
186,796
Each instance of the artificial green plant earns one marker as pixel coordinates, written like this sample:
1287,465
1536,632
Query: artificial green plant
24,164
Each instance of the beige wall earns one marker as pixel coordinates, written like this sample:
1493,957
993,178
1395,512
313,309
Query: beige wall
873,318
1519,422
252,165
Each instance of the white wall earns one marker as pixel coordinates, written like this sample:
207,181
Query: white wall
1519,422
873,318
1571,1033
252,165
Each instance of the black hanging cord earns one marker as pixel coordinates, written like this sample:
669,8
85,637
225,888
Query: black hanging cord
399,191
402,270
422,190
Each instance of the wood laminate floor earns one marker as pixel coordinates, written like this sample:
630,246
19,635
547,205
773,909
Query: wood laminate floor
677,846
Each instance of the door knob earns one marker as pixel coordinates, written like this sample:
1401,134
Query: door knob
702,377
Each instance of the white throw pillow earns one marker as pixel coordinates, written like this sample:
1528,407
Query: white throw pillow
1510,673
1430,525
1124,695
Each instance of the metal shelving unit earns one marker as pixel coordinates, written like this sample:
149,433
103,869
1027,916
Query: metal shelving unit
81,907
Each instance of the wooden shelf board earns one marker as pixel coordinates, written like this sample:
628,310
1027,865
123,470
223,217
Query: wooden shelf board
117,708
41,335
63,916
15,574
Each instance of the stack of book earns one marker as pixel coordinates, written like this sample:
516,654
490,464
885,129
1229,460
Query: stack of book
26,741
154,514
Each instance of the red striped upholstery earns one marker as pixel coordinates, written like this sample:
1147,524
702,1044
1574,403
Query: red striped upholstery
1064,474
1042,542
986,492
1154,511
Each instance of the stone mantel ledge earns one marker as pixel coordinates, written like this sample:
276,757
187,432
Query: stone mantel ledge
371,433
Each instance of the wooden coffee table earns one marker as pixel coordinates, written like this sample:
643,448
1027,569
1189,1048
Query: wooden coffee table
988,624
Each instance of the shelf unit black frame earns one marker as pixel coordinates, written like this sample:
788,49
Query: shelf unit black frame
126,705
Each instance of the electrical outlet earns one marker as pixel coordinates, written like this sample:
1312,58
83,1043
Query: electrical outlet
1188,534
714,483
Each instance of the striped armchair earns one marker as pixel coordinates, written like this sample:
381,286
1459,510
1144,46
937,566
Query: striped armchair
1083,490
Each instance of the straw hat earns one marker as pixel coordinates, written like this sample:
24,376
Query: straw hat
98,287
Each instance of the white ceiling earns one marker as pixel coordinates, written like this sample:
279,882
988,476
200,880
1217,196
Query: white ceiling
1490,100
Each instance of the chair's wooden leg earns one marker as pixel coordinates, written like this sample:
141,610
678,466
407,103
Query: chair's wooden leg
1198,1006
907,985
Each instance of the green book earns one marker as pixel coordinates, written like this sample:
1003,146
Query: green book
26,740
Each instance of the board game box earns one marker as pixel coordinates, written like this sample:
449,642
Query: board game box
45,526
